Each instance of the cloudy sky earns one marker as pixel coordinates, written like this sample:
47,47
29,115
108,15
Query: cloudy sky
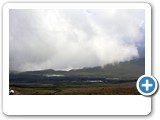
71,39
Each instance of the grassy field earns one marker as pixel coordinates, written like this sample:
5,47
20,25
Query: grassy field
112,79
75,89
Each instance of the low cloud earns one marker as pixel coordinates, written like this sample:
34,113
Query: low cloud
72,39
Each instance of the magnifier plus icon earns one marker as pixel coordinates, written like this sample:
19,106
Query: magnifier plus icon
147,85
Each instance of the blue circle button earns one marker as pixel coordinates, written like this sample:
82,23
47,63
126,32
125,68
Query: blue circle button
147,85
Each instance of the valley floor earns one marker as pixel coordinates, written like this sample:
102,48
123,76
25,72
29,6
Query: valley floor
128,88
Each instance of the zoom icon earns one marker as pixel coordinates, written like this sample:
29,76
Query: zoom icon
147,85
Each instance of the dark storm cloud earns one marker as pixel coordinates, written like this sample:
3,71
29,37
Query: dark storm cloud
66,39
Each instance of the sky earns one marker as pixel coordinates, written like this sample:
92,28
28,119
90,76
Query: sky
64,39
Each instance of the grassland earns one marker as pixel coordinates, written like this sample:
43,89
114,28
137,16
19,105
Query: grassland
114,79
75,89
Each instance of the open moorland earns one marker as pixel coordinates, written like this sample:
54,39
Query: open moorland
113,79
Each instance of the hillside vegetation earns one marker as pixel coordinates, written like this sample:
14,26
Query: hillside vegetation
123,70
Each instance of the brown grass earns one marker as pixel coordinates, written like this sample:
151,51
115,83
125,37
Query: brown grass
107,89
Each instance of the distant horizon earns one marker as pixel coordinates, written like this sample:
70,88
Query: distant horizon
74,68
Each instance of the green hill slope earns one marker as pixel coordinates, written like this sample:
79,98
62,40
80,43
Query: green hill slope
123,70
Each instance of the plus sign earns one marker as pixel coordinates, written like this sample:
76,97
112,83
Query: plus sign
147,85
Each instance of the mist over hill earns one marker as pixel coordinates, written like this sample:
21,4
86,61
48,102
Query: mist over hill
123,70
73,39
76,51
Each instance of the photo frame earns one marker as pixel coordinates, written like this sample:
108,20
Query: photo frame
74,104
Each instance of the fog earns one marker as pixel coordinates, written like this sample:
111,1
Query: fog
73,39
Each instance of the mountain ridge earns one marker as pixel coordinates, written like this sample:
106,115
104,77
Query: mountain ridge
123,70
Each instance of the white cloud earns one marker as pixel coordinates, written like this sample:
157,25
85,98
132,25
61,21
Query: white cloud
65,39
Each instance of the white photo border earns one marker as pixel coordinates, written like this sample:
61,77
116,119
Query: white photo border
74,104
